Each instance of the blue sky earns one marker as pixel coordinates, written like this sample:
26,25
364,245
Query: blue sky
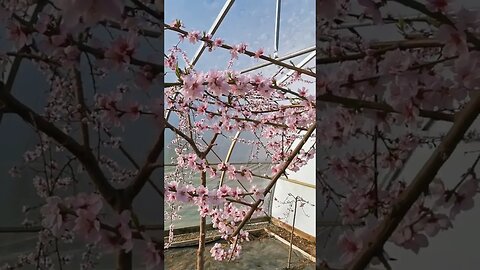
250,21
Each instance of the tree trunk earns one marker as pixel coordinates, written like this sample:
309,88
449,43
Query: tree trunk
201,239
124,260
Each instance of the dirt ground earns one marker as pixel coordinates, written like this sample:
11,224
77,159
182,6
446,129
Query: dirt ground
262,252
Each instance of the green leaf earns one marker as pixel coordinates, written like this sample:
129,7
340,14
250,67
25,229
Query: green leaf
401,24
178,72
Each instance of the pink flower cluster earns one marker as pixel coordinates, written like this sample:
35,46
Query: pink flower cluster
216,205
80,215
224,83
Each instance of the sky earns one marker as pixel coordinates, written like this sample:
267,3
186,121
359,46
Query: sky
249,21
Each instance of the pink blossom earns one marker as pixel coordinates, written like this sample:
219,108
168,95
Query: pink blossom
350,246
242,47
395,62
463,198
87,225
171,197
192,160
171,61
17,34
234,52
466,69
258,53
416,242
218,42
223,191
53,218
134,111
244,174
176,24
216,82
192,86
124,229
89,12
182,194
153,260
437,187
277,168
217,252
351,207
436,223
455,41
90,202
235,192
202,191
194,36
437,5
172,185
122,50
213,198
14,172
257,193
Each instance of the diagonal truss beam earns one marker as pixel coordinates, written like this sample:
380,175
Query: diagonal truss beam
216,24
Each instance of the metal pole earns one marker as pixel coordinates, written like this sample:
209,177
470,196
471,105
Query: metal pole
283,58
305,61
291,235
229,154
277,28
216,24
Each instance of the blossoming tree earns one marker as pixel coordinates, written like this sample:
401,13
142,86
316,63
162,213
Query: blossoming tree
103,70
87,196
390,91
221,103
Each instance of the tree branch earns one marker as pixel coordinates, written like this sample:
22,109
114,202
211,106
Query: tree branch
148,168
83,107
357,104
201,240
18,59
249,53
420,183
84,156
437,16
282,170
136,165
185,137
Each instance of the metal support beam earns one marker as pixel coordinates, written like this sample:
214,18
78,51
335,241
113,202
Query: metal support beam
213,29
301,64
286,57
277,28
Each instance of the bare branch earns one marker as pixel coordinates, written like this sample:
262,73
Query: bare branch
357,104
148,168
83,107
84,156
282,170
420,183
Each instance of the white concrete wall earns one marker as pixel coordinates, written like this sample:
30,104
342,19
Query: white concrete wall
305,218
